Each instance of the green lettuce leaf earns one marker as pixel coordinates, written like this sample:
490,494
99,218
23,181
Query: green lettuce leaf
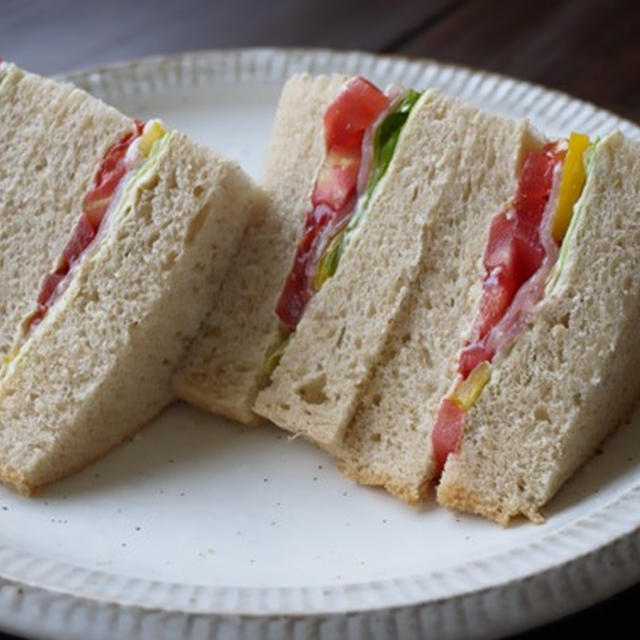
272,359
386,140
384,145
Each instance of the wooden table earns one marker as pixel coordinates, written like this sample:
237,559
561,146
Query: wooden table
589,48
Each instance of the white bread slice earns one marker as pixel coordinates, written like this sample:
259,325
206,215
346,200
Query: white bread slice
571,378
317,386
53,137
225,367
388,442
100,363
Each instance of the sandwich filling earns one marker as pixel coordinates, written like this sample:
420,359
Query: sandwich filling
3,70
123,168
362,127
523,247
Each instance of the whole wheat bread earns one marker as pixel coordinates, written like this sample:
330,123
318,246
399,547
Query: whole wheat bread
388,442
324,373
225,367
571,378
100,363
315,388
53,137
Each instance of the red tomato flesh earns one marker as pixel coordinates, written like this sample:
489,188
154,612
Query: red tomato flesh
471,356
49,285
82,236
351,114
334,196
110,172
297,291
514,253
447,432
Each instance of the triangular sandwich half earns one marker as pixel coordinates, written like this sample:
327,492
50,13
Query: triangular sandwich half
570,377
227,366
114,239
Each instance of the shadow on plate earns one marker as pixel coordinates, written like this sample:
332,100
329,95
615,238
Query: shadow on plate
180,442
617,460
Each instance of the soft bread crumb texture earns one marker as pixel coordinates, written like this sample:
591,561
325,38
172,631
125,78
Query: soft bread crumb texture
572,376
323,375
225,367
53,138
314,390
100,364
388,442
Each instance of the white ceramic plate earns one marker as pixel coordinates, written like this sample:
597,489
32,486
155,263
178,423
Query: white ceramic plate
199,528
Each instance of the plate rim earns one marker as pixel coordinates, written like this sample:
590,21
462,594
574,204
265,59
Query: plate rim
610,526
85,77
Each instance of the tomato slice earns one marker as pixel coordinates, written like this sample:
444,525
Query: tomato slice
471,356
297,292
447,432
503,269
533,189
49,285
36,317
106,183
334,195
514,251
110,172
531,199
82,236
500,246
351,114
336,184
96,210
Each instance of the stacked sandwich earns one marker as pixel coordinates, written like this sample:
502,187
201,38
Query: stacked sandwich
458,308
434,295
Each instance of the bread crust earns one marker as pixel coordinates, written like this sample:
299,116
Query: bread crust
463,498
360,472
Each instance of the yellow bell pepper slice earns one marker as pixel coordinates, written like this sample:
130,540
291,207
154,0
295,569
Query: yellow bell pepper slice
152,131
9,357
573,178
467,391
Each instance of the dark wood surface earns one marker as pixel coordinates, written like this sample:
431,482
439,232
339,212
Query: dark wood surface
589,48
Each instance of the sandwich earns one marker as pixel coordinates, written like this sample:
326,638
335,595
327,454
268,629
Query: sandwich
115,237
346,284
458,306
364,273
333,141
548,368
233,357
